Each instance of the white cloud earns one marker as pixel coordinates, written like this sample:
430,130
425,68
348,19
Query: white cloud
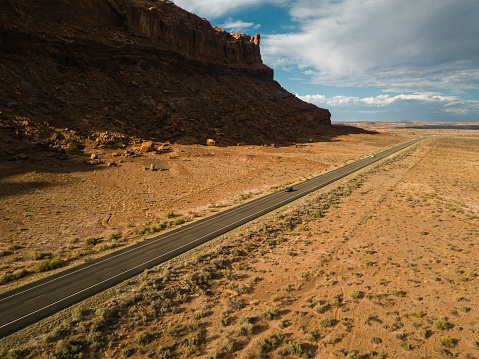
403,45
385,100
213,9
238,25
414,104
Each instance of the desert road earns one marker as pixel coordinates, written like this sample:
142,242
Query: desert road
28,304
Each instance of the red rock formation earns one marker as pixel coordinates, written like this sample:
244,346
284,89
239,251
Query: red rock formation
191,34
141,68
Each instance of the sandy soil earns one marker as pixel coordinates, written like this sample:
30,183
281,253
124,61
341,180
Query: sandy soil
382,265
52,203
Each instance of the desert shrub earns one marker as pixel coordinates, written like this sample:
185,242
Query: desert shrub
241,289
202,312
269,342
164,353
37,255
194,214
356,294
91,241
47,265
442,324
447,341
143,338
326,322
144,229
54,335
316,214
228,274
14,354
235,304
406,346
192,339
78,314
242,266
423,332
104,313
336,302
296,349
244,319
4,253
245,329
160,226
97,324
94,338
397,293
6,278
169,214
193,325
9,277
223,319
269,313
107,246
127,352
193,349
244,196
170,331
228,345
113,236
321,308
179,221
66,350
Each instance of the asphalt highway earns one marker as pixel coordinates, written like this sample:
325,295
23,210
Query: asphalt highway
28,304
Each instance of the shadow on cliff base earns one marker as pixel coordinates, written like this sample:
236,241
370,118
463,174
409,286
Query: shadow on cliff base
331,133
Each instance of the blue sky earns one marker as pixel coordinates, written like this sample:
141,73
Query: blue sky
368,60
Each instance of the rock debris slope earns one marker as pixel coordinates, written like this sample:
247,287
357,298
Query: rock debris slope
138,69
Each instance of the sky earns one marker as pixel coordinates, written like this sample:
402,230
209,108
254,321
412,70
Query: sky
365,60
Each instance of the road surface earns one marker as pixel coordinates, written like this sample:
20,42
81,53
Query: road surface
28,304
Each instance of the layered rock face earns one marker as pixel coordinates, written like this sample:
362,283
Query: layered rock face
143,69
192,35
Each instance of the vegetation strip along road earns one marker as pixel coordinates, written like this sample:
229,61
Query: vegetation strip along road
28,304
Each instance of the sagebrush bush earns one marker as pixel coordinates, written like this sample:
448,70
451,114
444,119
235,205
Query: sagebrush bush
47,265
37,255
91,241
143,338
78,314
269,313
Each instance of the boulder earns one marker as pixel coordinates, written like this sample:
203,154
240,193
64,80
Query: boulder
210,142
71,147
147,146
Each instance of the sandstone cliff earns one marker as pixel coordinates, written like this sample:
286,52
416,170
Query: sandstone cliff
140,68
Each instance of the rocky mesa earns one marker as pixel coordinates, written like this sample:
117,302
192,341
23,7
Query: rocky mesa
139,70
